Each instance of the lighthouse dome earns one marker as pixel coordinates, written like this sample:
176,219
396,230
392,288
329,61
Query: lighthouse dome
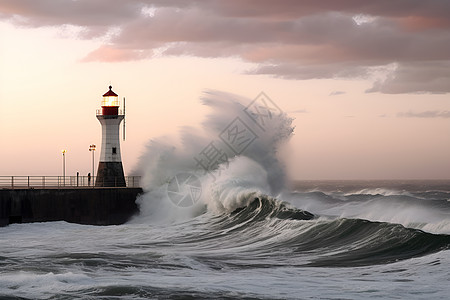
110,93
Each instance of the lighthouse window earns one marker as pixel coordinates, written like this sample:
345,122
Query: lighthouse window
114,150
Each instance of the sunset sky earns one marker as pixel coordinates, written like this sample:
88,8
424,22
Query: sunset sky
367,82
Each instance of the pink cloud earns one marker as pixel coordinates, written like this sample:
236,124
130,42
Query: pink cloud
111,54
418,23
286,38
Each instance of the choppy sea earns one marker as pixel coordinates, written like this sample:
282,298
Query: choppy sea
321,240
219,219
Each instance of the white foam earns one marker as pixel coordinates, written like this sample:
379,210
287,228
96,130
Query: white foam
380,191
32,284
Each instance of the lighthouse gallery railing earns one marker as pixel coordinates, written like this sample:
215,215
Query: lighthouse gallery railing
12,182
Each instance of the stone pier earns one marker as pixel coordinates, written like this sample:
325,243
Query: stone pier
94,206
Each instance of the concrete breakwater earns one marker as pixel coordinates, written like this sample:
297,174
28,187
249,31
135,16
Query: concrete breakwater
94,206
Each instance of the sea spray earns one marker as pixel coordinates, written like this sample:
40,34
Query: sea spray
251,166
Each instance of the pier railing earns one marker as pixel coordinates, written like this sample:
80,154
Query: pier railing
12,182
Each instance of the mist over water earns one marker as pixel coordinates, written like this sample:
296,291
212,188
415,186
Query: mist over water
258,172
250,167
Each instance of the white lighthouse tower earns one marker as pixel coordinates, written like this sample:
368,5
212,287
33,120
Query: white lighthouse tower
110,169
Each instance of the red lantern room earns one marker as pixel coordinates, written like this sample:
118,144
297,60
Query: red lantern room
110,103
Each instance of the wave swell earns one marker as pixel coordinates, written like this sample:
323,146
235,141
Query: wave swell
270,229
245,209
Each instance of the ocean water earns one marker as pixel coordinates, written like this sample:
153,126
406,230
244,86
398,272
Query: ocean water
365,240
237,227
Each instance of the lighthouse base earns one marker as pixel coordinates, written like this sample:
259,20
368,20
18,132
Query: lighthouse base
110,174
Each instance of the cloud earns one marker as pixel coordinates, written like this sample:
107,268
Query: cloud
336,93
298,111
111,54
287,38
425,114
416,77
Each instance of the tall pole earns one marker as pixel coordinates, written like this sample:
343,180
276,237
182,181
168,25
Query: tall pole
92,149
93,158
64,166
123,118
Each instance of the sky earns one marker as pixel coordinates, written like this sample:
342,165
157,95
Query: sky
367,82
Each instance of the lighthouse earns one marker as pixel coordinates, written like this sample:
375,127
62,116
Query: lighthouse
110,169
